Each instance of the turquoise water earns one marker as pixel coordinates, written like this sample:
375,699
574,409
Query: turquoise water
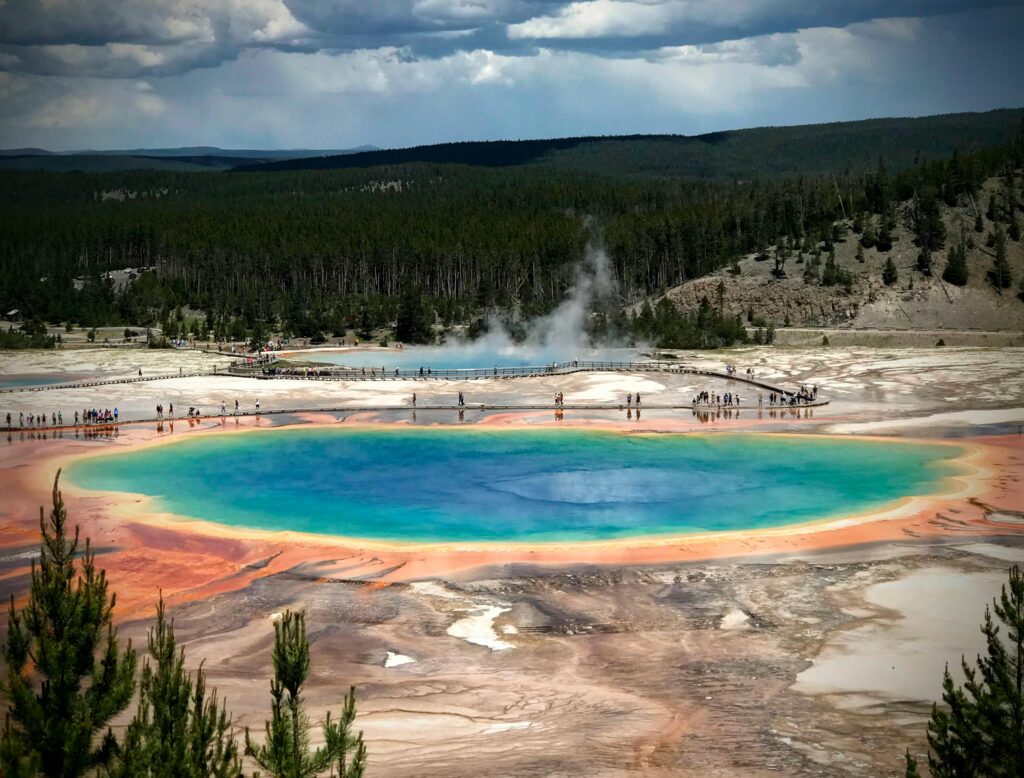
18,381
478,354
545,485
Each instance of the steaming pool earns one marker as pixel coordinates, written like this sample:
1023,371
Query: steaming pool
463,357
454,485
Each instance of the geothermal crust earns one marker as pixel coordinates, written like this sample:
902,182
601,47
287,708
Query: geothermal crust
807,652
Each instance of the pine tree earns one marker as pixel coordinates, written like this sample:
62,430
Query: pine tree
61,692
259,337
412,325
883,241
286,753
365,325
889,274
1000,275
979,729
177,732
911,771
955,271
924,260
930,232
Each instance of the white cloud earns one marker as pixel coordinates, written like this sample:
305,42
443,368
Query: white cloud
600,18
247,93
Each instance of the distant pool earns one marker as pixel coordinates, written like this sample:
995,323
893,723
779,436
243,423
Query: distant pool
19,381
471,355
441,485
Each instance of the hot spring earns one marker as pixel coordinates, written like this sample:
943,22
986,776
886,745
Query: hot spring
480,355
450,485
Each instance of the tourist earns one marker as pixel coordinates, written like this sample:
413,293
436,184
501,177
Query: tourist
257,406
8,421
236,406
116,414
76,418
170,409
140,372
638,398
414,399
223,408
462,400
629,399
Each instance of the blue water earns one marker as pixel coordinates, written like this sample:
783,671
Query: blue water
470,355
18,381
545,485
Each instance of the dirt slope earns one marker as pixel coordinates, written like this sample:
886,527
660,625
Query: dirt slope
915,302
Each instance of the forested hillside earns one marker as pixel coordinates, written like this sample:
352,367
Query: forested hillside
316,252
739,154
185,159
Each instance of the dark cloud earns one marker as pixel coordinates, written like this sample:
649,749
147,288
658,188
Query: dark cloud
102,73
216,30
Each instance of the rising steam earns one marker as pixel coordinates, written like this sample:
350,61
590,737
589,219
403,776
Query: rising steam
558,336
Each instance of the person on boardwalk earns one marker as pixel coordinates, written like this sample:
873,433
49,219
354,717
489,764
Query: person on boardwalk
462,400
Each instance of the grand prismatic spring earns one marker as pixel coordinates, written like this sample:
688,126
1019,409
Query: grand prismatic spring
444,485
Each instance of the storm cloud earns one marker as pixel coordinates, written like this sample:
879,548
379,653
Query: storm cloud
343,72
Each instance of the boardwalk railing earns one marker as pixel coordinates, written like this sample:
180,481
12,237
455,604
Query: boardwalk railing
266,370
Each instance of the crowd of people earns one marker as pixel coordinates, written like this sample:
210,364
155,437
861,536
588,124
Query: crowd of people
56,419
297,372
804,396
712,400
97,416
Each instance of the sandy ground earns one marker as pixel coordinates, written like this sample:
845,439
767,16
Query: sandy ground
809,652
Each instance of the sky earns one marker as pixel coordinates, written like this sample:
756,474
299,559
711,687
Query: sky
101,74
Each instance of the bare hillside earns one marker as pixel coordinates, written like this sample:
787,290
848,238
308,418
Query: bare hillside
915,302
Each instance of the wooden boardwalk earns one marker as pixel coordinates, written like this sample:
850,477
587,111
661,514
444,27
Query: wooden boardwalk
697,411
424,374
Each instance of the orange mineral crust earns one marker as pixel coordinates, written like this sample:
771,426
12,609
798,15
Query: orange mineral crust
145,551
